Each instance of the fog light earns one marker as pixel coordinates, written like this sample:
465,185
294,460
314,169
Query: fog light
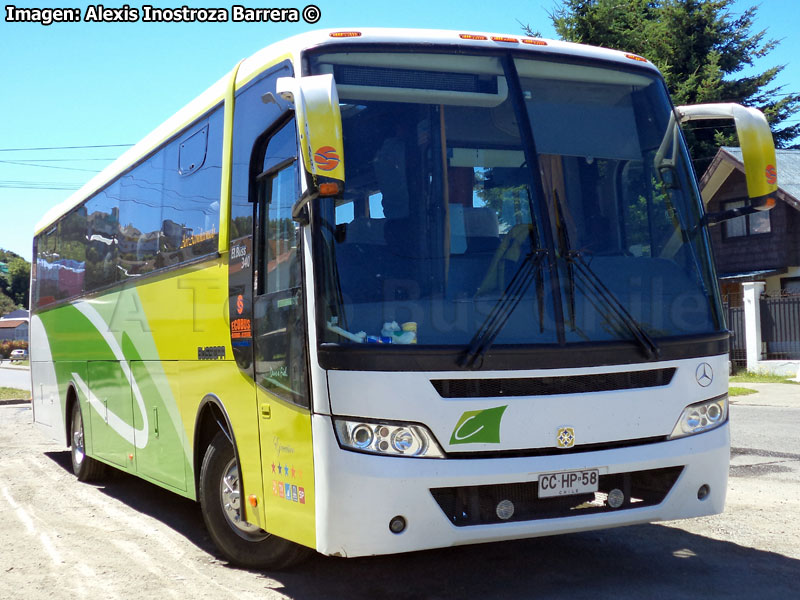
505,509
703,492
397,524
615,498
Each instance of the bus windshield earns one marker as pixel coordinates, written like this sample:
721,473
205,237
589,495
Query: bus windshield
509,201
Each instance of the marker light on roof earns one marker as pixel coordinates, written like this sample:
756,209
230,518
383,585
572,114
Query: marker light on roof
634,57
534,42
345,34
471,36
510,40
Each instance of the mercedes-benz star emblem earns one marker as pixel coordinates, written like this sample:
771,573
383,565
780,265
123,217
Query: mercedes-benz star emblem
704,374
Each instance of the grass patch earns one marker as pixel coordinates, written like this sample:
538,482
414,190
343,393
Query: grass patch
747,377
8,393
740,391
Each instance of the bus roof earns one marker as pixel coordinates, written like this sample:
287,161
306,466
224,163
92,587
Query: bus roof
291,48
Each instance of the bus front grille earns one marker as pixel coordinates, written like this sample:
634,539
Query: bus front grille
548,386
478,505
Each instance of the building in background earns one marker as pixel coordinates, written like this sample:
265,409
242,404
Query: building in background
758,263
762,246
14,326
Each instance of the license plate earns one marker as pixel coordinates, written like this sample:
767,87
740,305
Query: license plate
568,483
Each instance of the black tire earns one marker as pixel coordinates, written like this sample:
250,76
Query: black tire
241,543
85,467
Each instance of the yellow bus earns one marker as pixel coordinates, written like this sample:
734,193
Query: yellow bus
384,290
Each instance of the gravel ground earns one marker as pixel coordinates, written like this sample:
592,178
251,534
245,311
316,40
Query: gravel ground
129,539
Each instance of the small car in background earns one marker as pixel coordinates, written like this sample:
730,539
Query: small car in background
19,354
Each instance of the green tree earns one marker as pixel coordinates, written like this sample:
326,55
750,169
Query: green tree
19,272
6,305
700,46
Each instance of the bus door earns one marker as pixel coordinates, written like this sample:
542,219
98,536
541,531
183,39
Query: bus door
279,337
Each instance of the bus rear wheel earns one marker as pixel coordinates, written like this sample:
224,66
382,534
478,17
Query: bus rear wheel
85,467
240,542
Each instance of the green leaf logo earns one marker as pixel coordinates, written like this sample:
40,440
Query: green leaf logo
479,427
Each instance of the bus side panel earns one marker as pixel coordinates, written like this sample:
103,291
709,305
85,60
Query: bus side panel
187,318
112,417
234,393
164,457
129,403
165,345
100,334
48,404
63,340
185,312
146,422
289,469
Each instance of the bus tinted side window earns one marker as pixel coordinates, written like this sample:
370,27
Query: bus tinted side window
254,113
163,212
190,204
140,216
102,227
169,205
46,289
72,254
280,322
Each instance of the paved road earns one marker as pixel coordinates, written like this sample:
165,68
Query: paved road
770,420
128,539
15,377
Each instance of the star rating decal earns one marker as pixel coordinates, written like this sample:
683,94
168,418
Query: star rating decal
285,490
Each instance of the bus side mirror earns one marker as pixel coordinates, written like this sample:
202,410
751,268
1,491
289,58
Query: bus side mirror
758,149
319,124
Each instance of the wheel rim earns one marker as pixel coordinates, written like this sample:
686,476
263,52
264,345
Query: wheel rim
78,449
230,497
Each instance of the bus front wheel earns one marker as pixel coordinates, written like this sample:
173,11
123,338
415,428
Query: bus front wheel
223,512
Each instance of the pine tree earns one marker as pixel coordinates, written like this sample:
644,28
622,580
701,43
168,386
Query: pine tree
700,46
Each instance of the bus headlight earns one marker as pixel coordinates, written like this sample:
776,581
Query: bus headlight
701,416
387,437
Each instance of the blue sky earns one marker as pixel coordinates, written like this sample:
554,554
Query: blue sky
83,84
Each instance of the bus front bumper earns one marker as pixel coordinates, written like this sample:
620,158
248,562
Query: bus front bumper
357,495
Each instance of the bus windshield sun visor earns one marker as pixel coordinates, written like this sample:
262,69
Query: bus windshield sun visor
392,84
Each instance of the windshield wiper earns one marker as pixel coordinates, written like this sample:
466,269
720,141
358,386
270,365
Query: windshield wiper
503,308
596,285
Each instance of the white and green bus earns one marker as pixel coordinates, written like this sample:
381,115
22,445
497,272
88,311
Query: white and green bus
384,290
